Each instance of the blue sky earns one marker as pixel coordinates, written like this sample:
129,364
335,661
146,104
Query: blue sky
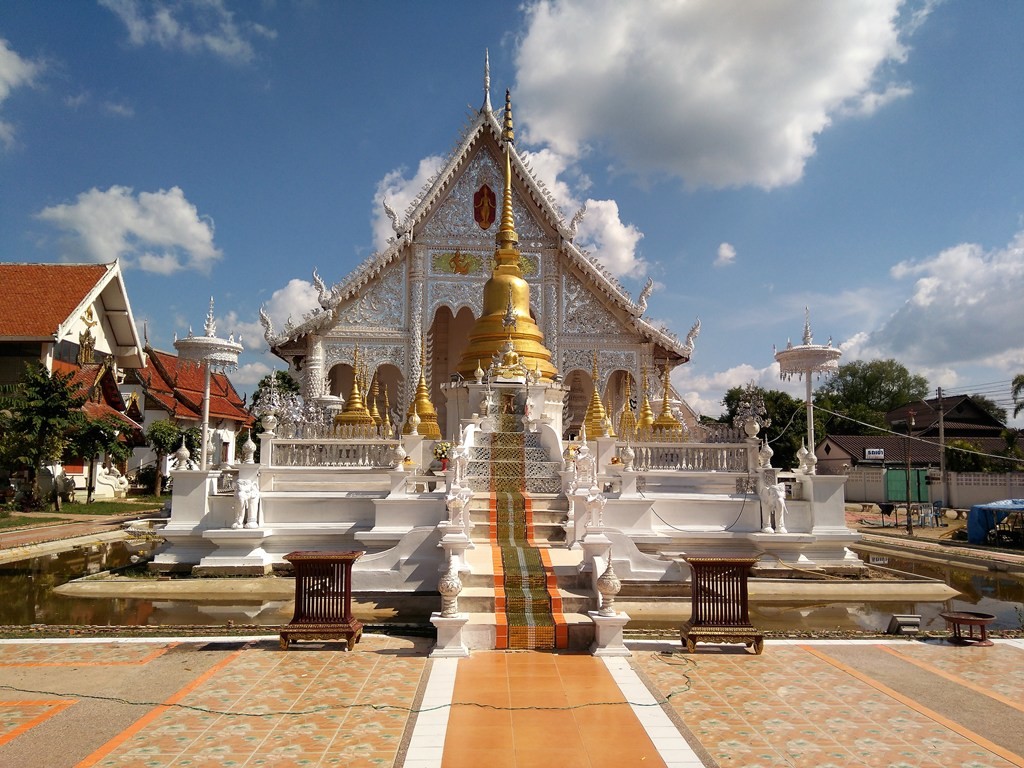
863,159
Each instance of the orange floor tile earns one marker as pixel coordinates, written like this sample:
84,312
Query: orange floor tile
532,708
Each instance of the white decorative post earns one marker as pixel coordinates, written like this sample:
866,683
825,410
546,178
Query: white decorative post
211,353
803,361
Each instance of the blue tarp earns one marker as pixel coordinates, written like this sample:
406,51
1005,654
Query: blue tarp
984,517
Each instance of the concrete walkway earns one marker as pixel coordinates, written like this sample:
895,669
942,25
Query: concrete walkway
243,702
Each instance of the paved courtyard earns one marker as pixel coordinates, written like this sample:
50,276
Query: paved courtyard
243,702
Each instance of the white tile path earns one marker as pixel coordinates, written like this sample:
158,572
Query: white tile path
427,743
666,737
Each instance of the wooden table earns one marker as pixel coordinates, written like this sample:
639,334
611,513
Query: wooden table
957,620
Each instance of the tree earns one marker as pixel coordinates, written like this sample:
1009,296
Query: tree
990,406
46,409
965,456
163,437
90,438
788,425
1017,392
864,392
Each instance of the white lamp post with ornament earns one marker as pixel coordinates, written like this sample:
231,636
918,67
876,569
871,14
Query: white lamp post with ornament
211,353
804,361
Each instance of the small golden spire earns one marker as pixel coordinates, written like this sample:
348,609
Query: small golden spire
667,426
627,421
595,416
646,420
374,395
388,429
421,405
355,413
609,429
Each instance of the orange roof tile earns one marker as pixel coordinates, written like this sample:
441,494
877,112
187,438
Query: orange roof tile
37,298
177,387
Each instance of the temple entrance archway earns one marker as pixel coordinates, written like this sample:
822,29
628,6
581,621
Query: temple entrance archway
448,338
340,378
390,380
581,386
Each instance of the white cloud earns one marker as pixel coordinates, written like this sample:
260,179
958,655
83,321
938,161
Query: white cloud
198,26
291,301
602,231
15,72
964,307
158,232
399,193
248,375
717,92
704,391
726,255
614,243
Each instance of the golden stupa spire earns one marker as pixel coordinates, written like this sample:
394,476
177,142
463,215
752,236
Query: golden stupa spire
507,292
386,415
596,414
627,421
667,426
355,413
422,406
646,421
374,394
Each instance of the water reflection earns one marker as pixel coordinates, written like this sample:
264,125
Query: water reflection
26,587
27,597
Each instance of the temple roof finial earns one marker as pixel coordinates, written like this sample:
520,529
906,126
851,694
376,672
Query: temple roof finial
211,326
808,339
508,134
507,237
486,108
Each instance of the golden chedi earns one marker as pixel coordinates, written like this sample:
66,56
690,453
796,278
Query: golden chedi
506,290
422,407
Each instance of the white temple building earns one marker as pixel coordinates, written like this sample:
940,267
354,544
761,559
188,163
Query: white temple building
485,337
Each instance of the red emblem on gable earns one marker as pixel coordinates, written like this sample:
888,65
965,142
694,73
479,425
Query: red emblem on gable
484,203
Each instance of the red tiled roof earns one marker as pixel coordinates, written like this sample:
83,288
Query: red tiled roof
177,387
96,382
37,298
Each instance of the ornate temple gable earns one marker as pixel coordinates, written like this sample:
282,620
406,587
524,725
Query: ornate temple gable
452,220
583,312
380,306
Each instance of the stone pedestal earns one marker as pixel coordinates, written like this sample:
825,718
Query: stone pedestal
455,542
608,635
449,636
239,552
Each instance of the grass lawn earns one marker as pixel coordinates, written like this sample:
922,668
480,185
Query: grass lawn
119,507
21,522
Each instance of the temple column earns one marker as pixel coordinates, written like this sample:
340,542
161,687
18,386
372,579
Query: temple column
313,381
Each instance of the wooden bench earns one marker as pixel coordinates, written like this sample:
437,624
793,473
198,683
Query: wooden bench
719,600
323,598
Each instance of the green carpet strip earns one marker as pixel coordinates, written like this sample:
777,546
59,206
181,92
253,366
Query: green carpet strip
527,605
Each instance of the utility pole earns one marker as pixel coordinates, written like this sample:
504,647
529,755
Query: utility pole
910,517
942,452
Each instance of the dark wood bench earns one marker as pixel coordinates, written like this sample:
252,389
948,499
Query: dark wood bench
720,612
323,598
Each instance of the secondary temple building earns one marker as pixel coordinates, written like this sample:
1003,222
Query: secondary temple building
467,421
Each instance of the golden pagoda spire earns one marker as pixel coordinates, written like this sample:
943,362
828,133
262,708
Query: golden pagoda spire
646,421
386,416
507,292
374,394
595,417
422,406
355,413
667,426
609,427
627,421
